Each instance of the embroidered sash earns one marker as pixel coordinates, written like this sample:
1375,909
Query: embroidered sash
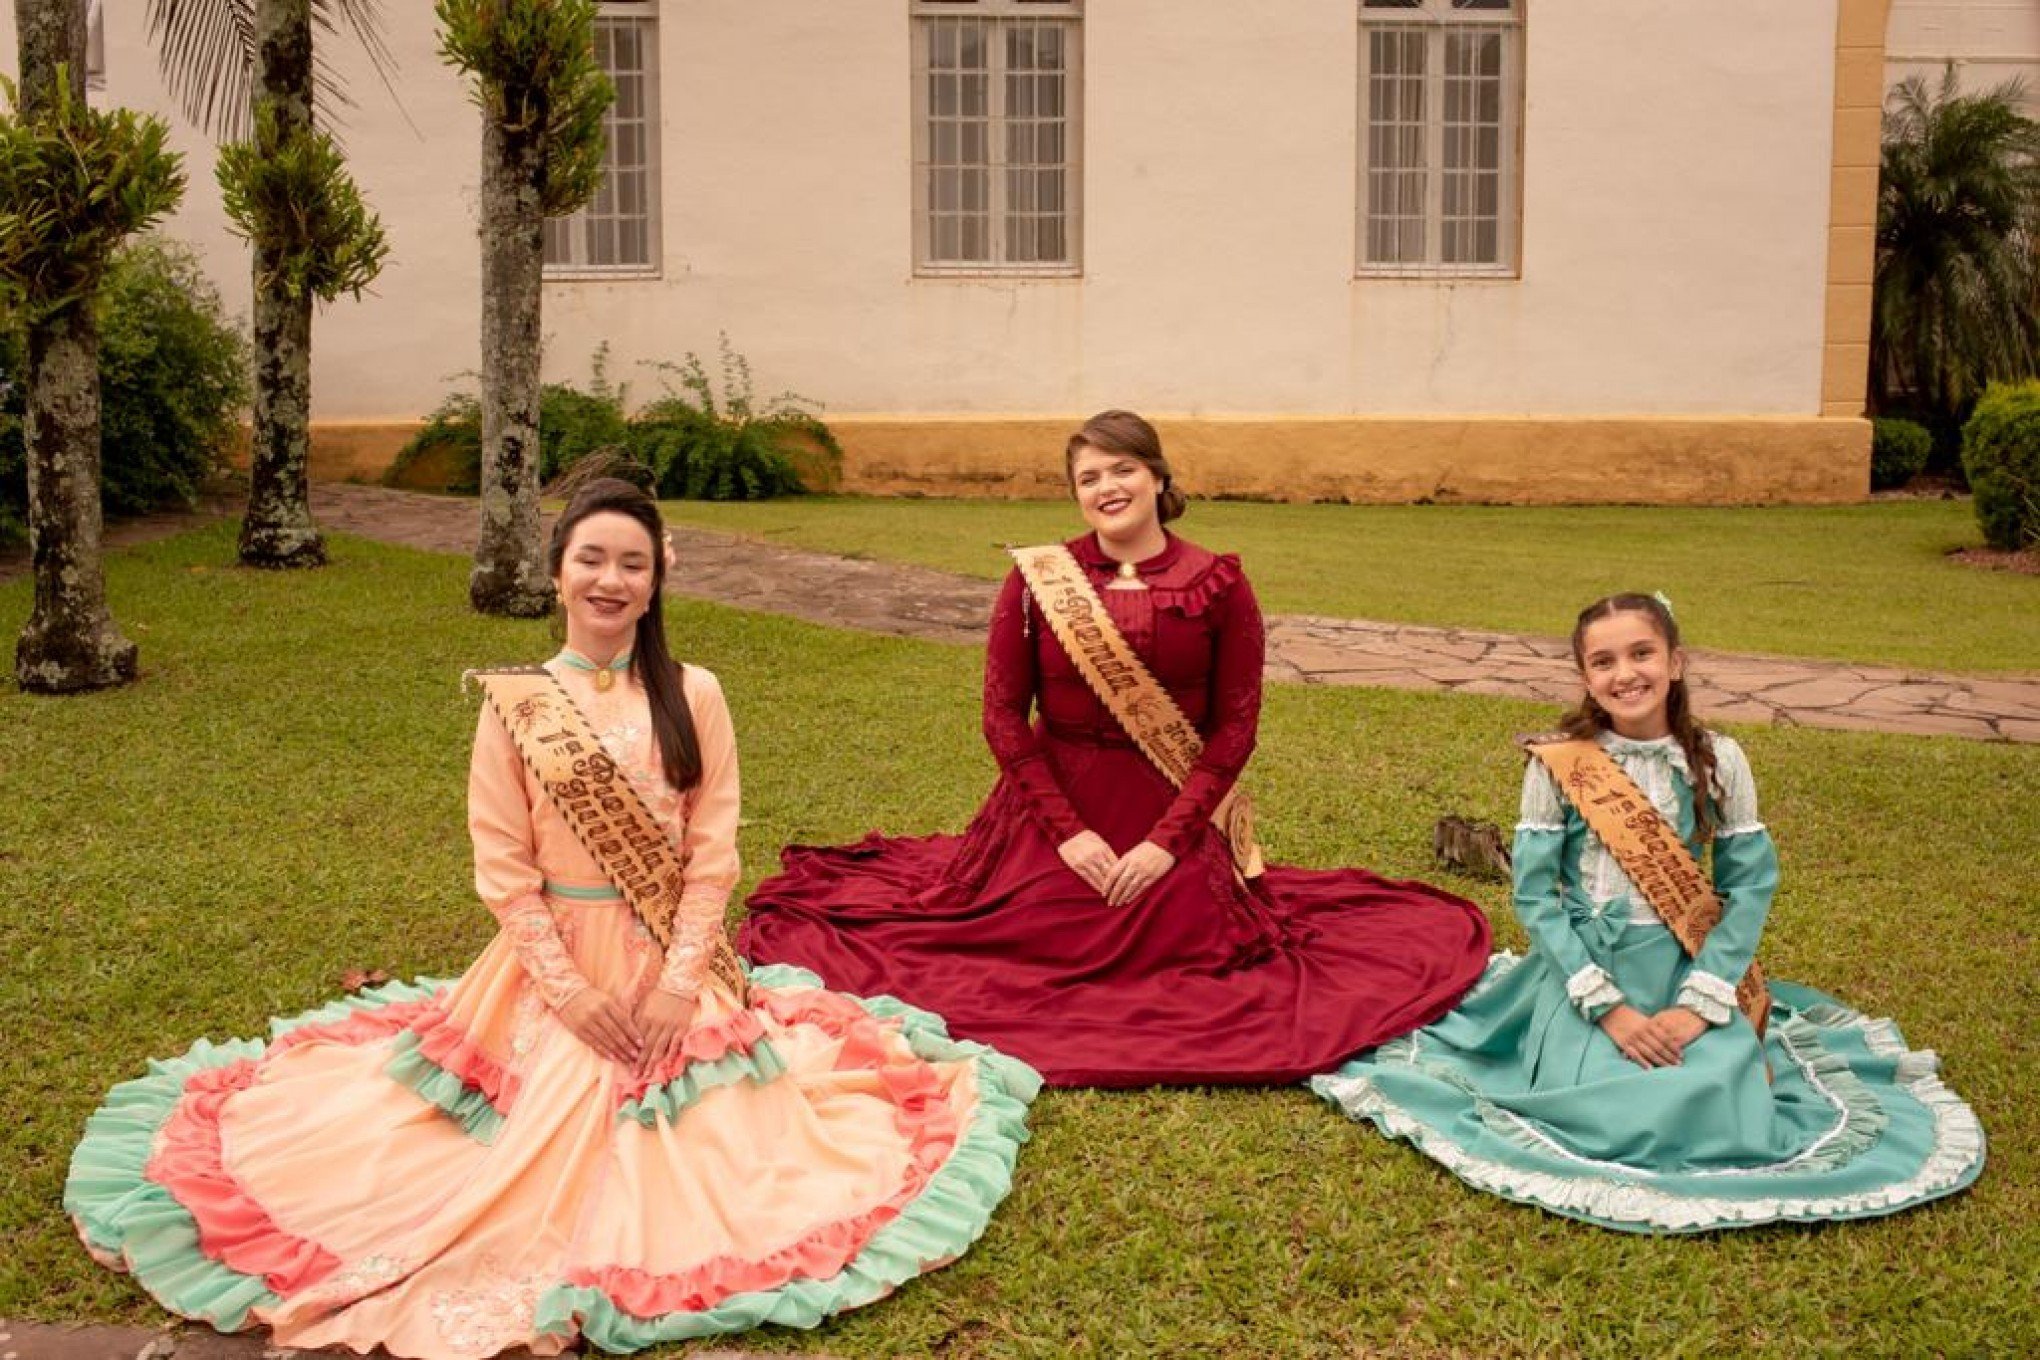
599,805
1122,682
1650,851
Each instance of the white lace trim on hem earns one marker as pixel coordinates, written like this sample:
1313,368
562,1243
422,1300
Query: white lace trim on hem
1957,1151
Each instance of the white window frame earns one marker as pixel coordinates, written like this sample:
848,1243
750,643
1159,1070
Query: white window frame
575,233
1069,16
95,47
1434,22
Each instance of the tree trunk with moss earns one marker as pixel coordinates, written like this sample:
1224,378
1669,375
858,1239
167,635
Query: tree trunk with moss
510,575
70,642
278,530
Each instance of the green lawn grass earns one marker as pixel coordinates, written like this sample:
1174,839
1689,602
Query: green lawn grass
280,799
1865,583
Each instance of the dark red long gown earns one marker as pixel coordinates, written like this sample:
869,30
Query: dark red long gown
1199,980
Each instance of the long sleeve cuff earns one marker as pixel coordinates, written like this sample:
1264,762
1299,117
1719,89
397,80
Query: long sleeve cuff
1592,992
529,924
1707,996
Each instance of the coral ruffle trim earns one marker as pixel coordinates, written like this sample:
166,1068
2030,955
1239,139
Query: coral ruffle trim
232,1228
737,1033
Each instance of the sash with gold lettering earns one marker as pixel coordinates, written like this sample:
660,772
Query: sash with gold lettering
596,800
1122,682
1650,851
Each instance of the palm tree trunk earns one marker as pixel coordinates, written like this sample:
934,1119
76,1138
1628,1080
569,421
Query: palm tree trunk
509,575
70,642
278,530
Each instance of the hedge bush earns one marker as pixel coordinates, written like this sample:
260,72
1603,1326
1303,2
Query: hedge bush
1899,448
2001,454
173,383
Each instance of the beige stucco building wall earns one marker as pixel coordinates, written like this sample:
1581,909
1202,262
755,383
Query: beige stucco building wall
1989,41
1673,333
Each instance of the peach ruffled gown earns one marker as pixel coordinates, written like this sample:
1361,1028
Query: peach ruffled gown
447,1170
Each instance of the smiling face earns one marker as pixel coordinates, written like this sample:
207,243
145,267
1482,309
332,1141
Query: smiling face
605,582
1116,493
1629,668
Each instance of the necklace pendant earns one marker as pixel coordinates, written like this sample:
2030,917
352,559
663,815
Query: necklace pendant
605,680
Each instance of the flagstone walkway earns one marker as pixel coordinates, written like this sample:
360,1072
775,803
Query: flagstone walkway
917,602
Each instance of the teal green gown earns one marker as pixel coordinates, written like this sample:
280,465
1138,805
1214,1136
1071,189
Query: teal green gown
1520,1093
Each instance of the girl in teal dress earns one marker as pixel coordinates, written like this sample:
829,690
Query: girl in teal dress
1610,1077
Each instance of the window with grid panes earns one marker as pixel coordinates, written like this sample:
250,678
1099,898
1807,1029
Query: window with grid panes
997,97
617,231
1441,97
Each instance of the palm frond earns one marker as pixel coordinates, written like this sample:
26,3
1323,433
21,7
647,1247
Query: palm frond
206,51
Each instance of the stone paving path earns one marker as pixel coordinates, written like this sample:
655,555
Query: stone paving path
917,602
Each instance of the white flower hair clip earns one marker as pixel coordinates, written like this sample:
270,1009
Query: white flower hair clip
1664,601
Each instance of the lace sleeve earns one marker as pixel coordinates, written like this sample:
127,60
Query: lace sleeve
1738,786
1543,807
1010,680
1232,722
507,877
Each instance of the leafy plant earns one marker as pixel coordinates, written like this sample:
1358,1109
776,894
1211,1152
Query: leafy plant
1898,450
2001,452
716,442
292,191
73,186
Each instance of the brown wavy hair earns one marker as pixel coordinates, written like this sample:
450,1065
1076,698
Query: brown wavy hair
650,661
1589,720
1126,433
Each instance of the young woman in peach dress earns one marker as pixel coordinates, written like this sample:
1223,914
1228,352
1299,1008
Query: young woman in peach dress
586,1135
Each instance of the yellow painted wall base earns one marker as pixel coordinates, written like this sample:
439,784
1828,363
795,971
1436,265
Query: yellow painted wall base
346,451
1700,460
1546,460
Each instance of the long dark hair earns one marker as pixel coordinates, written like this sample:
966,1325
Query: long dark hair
1125,433
1588,719
672,720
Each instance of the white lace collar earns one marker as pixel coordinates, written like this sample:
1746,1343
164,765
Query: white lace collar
1662,750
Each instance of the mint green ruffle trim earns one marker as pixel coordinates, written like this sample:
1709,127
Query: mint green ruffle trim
432,1083
122,1215
761,1064
937,1227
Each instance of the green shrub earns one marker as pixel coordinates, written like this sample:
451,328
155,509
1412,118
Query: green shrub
2001,454
173,380
698,442
723,446
1898,450
446,455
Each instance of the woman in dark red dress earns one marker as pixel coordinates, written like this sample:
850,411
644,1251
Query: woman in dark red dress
1090,920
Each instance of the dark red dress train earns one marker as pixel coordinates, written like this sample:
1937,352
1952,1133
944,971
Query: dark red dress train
1199,980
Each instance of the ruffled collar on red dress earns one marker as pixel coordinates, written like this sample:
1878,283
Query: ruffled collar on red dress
1184,577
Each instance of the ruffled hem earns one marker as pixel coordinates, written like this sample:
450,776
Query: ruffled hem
129,1221
728,1039
133,1223
760,1064
1637,1199
927,1228
468,1106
